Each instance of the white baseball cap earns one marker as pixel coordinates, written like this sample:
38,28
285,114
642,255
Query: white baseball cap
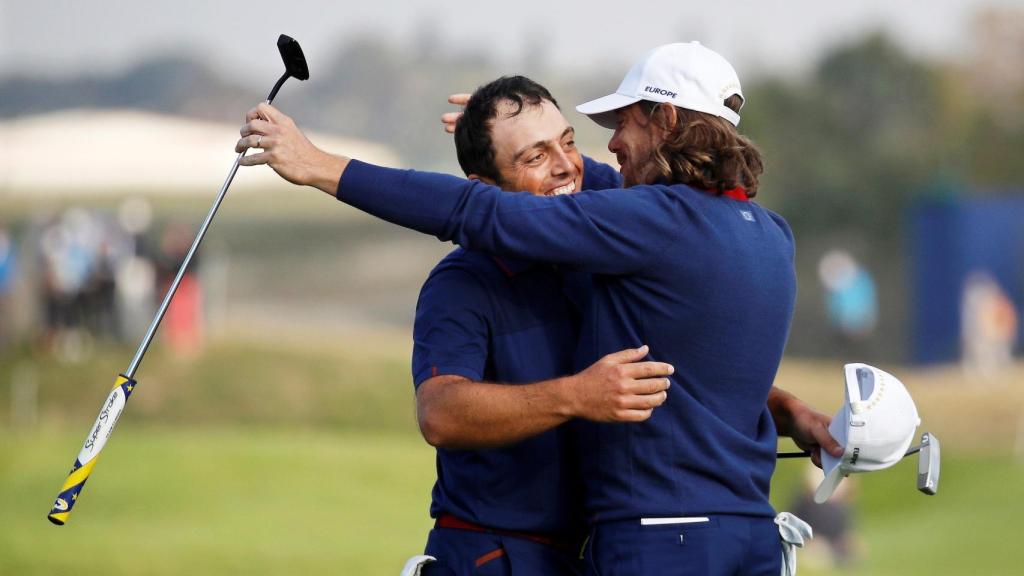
876,425
685,74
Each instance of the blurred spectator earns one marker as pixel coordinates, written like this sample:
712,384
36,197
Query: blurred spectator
183,323
8,275
851,296
988,325
67,263
80,255
99,304
835,544
135,276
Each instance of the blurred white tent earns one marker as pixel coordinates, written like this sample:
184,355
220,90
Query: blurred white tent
127,151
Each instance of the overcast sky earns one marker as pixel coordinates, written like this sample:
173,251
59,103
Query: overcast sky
82,37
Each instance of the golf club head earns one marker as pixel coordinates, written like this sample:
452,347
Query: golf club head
928,463
294,60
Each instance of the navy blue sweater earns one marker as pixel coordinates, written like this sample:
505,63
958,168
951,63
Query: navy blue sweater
707,281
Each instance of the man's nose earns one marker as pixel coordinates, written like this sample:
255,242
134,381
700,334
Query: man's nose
562,163
615,143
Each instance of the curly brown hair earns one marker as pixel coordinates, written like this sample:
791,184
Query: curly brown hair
706,151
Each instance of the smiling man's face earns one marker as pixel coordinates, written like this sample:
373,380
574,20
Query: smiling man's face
535,150
636,138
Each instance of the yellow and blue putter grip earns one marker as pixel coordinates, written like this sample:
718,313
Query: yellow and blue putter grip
98,436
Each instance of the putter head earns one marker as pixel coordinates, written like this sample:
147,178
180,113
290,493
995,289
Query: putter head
294,60
928,462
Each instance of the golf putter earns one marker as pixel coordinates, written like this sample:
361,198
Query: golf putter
928,462
110,412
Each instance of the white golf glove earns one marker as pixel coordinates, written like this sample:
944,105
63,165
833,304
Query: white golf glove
414,567
793,532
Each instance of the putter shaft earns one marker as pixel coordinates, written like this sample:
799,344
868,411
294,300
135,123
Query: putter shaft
110,411
151,332
144,345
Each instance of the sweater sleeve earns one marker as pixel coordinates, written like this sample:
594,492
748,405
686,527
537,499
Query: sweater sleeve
614,231
451,332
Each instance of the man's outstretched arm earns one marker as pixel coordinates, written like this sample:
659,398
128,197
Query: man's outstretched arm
455,412
599,231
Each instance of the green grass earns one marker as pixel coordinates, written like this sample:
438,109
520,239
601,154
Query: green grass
188,500
969,527
347,386
303,457
219,501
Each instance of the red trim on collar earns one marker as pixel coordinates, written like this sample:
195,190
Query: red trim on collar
736,194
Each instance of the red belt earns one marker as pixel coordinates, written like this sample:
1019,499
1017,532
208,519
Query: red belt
449,521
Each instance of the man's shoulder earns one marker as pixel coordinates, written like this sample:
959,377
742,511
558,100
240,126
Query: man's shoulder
772,214
465,275
780,222
686,200
458,285
473,263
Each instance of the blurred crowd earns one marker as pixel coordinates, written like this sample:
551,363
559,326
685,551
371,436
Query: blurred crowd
8,271
86,274
988,325
850,296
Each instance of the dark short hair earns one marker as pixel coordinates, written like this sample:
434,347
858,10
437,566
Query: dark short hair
473,144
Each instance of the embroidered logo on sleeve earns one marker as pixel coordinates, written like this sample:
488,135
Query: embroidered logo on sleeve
747,215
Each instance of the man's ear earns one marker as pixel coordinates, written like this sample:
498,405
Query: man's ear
668,116
483,179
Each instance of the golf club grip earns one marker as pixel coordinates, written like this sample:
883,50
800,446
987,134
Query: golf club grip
109,414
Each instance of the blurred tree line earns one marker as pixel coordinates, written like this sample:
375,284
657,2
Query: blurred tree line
848,146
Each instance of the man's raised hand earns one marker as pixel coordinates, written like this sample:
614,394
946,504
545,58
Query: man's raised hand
287,150
449,119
